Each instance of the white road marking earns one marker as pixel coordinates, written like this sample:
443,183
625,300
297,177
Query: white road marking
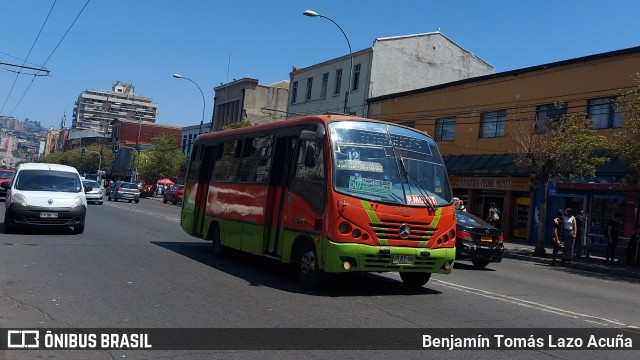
533,305
144,212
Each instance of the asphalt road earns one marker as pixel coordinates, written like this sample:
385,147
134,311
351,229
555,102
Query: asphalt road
134,267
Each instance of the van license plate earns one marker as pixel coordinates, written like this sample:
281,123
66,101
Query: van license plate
402,259
48,215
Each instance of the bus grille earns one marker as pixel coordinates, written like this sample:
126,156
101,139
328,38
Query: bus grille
390,230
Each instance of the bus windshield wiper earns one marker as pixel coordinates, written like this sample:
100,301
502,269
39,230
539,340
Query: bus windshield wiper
423,192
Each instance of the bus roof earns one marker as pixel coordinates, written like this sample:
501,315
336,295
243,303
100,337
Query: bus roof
301,120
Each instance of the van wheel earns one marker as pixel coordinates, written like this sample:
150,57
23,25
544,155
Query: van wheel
307,268
78,229
129,201
8,229
414,280
137,201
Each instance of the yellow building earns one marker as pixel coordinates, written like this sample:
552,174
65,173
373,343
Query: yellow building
475,123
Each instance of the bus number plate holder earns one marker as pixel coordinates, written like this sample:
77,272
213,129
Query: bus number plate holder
402,259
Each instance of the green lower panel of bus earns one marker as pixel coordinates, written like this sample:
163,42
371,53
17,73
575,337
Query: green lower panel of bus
368,258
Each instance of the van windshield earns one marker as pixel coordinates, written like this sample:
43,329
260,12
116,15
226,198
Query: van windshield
48,180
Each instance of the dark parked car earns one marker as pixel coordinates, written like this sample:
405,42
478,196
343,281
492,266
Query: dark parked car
125,191
112,186
173,194
5,176
477,241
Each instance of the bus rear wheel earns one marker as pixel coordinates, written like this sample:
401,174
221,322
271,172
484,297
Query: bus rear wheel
216,247
306,263
414,280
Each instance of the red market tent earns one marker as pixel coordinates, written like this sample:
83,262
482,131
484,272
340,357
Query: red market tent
165,181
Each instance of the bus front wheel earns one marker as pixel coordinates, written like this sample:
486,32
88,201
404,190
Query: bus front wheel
414,280
306,263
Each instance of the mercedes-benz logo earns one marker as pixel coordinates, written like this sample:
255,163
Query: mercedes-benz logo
50,201
404,231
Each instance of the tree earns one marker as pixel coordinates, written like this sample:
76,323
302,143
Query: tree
564,151
162,162
237,125
626,143
84,164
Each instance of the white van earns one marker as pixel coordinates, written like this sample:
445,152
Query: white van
45,195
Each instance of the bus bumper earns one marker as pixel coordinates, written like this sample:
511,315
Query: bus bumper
340,257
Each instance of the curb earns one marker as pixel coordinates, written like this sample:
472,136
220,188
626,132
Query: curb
578,265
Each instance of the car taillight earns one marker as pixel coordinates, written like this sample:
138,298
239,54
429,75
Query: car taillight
119,189
138,190
464,235
500,239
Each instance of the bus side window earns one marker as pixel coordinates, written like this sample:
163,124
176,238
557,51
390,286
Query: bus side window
227,167
196,159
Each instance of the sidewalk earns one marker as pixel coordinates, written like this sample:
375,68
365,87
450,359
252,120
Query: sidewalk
596,264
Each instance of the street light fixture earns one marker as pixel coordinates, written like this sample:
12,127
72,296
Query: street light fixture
312,13
178,76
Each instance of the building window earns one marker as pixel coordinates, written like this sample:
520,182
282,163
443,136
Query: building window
325,83
492,124
604,113
445,129
545,114
294,92
309,88
336,89
356,77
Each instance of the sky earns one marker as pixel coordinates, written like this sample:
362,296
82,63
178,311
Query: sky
94,44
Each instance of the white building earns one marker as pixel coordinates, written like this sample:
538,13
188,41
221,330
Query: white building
391,65
95,109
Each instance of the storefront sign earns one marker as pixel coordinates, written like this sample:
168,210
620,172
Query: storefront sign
491,183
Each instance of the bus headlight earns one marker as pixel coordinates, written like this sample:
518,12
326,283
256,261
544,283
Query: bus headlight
344,228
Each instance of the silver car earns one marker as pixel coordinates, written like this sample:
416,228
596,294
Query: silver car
125,191
96,194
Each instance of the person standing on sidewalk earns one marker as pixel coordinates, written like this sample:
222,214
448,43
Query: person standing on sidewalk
569,229
557,236
612,238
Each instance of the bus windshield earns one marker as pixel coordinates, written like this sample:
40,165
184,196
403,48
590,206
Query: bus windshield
387,163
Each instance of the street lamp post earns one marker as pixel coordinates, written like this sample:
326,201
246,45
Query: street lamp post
178,76
312,13
99,164
137,160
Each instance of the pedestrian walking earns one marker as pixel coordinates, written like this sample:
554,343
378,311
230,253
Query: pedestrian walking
492,216
569,229
612,238
558,245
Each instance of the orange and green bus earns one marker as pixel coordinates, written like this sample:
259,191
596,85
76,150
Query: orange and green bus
326,193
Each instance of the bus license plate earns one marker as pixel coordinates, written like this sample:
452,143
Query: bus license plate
402,259
486,238
48,215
